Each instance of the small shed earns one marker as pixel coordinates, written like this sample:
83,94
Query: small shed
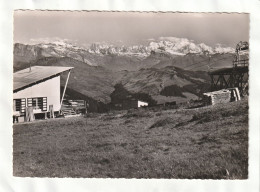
133,103
38,87
141,104
130,103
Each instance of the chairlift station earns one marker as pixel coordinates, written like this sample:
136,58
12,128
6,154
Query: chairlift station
236,76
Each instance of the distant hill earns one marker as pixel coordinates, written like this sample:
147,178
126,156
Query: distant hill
193,62
155,81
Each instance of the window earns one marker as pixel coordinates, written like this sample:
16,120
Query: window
19,105
38,103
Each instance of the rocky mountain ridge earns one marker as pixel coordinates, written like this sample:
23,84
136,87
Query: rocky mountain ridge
165,45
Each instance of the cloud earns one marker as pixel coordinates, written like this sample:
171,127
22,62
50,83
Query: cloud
56,40
151,39
174,39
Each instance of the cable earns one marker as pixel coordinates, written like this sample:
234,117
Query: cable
196,63
200,62
210,63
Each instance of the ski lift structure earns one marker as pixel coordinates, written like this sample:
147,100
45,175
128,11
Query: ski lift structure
235,76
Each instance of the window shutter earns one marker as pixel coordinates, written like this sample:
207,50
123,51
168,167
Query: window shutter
23,105
44,103
19,105
29,102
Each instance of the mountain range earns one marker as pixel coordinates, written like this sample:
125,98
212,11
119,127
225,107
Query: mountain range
168,45
170,69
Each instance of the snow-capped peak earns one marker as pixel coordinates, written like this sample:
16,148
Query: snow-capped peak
221,49
185,46
161,45
168,45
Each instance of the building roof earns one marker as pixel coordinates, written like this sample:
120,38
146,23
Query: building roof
26,78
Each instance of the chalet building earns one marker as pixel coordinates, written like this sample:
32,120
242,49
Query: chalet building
38,88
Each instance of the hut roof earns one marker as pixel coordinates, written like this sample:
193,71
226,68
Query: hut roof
26,77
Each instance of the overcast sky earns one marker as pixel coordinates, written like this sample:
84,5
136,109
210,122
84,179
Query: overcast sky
130,28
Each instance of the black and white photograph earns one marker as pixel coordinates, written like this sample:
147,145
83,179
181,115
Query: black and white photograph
145,95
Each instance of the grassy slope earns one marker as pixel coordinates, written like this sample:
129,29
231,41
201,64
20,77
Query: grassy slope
210,142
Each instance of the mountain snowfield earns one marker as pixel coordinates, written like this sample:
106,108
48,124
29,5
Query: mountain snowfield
169,45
